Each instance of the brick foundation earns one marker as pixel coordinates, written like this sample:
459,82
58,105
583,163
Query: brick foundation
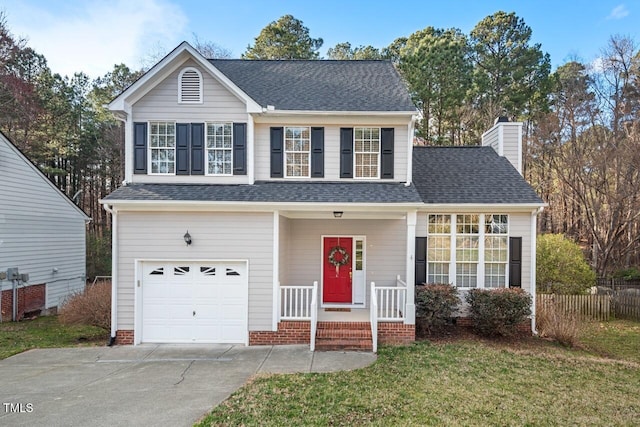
124,337
289,332
396,333
467,322
31,299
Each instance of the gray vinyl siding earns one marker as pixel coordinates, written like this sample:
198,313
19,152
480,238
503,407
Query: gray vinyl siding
161,102
285,231
158,236
510,144
492,139
385,254
39,229
331,151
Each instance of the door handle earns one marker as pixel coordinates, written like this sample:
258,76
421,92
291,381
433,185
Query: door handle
351,275
194,313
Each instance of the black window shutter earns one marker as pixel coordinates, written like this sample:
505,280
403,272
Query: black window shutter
386,153
421,260
182,148
515,262
239,148
346,152
139,148
317,152
277,141
197,148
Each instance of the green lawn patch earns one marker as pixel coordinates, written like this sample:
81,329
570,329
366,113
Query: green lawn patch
46,332
617,339
462,382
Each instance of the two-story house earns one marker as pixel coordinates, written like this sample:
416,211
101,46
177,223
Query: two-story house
275,202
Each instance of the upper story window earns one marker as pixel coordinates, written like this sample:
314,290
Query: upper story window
190,86
219,148
297,148
162,145
367,152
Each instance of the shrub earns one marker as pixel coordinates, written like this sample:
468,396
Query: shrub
627,274
561,266
555,323
435,303
89,307
498,311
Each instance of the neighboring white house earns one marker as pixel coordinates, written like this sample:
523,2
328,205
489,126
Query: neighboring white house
42,234
272,202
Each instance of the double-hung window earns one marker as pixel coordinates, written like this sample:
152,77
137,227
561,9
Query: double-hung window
467,250
367,152
219,137
162,145
496,237
439,249
297,148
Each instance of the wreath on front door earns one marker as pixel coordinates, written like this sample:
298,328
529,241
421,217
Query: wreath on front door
338,257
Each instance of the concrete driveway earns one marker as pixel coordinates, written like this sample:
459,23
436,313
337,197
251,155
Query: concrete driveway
171,385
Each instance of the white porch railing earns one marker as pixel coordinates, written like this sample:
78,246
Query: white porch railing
373,313
301,303
391,301
295,302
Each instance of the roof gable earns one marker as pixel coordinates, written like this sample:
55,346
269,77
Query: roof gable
320,85
34,172
165,67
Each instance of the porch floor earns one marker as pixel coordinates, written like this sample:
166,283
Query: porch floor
355,315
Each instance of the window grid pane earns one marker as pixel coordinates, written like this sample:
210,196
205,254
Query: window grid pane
367,152
162,142
438,272
439,224
219,141
297,145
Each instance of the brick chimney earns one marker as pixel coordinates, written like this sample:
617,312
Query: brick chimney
506,138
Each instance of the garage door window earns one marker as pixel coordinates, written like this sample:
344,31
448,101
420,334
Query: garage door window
208,271
157,272
232,272
180,271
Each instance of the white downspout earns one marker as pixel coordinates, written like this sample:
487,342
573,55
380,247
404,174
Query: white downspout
534,216
114,272
410,130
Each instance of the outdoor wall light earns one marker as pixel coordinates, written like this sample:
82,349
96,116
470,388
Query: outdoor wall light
337,214
187,238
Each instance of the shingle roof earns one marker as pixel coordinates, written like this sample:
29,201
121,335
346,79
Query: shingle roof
262,191
458,175
319,85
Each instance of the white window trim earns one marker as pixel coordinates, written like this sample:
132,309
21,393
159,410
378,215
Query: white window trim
150,148
481,256
200,94
206,149
355,169
506,263
284,153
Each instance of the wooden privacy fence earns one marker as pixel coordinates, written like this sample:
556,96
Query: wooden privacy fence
591,307
627,306
595,307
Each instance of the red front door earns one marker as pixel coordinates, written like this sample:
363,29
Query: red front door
337,261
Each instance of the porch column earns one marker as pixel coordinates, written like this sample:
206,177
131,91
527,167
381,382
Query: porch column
276,271
410,317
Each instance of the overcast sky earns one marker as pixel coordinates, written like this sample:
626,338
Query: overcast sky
91,36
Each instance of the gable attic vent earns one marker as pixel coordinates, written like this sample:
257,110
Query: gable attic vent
190,86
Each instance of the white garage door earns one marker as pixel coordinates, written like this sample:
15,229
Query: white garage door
194,302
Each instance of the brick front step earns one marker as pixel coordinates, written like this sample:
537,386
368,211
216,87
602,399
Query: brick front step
344,336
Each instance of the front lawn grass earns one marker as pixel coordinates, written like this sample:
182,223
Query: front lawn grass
462,382
617,339
45,332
